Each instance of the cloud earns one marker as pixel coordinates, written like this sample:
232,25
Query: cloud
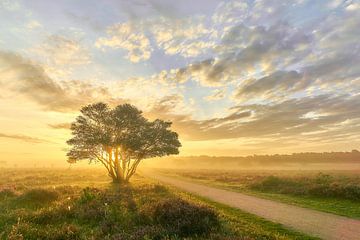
29,79
23,138
60,126
10,5
61,56
353,6
271,86
291,74
326,115
33,24
59,50
276,60
230,13
246,51
207,72
130,37
216,95
187,37
168,106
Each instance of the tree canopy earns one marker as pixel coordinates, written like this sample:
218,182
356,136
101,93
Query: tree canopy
119,138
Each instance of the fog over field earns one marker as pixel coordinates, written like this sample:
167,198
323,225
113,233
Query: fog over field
295,161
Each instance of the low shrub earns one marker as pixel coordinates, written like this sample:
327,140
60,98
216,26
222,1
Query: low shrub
157,188
91,211
349,191
52,215
183,218
66,190
65,232
38,197
352,192
323,179
149,232
321,191
30,232
280,185
6,193
89,194
322,185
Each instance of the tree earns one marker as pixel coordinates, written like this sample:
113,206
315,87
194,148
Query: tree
119,139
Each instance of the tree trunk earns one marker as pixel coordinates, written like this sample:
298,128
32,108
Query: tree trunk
118,180
119,176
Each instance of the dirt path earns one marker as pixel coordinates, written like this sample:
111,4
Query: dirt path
324,225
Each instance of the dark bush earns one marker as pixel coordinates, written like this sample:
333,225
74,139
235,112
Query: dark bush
38,197
269,183
352,192
52,215
183,218
320,191
67,190
90,207
91,211
160,189
149,232
89,194
322,185
276,184
6,193
323,179
110,226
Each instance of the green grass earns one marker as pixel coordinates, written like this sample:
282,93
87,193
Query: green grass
339,206
83,204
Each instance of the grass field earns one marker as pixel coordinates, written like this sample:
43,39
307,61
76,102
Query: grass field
84,204
336,192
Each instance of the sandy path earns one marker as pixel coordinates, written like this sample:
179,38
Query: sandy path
324,225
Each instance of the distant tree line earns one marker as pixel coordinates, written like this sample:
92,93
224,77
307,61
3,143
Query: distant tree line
266,160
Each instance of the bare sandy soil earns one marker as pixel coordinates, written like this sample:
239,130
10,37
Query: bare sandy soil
324,225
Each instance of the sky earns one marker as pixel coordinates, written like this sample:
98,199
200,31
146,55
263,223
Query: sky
234,77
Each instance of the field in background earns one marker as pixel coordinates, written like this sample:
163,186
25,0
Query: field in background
84,204
336,192
295,161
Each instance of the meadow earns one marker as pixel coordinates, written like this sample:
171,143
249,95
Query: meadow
85,204
336,192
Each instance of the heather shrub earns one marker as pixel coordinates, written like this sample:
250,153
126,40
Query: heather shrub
91,209
6,193
280,185
89,194
52,215
66,190
352,191
159,189
321,191
183,218
322,185
31,232
323,179
38,197
149,232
